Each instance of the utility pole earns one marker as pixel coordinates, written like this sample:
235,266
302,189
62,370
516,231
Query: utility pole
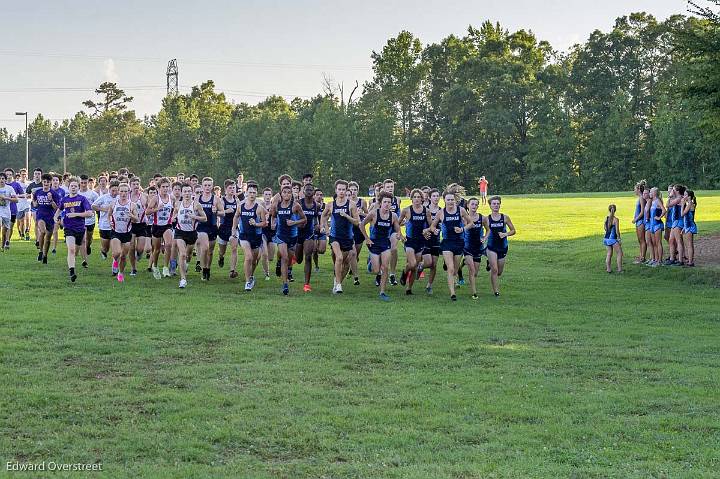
64,157
172,78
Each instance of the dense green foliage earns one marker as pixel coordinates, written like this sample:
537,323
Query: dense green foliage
639,101
570,373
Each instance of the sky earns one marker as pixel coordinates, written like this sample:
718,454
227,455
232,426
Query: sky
53,54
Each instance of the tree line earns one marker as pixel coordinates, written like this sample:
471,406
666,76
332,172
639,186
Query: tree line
639,101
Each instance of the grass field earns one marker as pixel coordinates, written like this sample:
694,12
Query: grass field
570,373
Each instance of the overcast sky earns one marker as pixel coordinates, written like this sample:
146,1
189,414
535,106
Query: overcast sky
53,54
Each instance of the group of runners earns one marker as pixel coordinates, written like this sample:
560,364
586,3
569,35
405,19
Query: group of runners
171,220
656,220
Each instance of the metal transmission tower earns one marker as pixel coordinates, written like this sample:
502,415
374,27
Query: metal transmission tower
172,78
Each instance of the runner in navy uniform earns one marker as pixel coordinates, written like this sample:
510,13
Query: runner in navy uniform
286,231
474,247
308,232
344,215
268,249
383,223
417,220
207,230
226,232
389,187
249,220
499,228
432,247
454,220
358,236
320,238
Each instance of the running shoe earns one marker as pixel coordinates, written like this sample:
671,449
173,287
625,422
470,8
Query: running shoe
337,289
233,274
307,288
356,281
198,268
183,283
85,264
403,279
428,289
115,267
156,272
384,297
27,237
37,244
317,269
252,282
377,280
408,292
120,278
497,294
474,297
453,297
290,275
461,282
393,281
267,277
54,251
40,256
221,261
285,289
133,272
165,272
73,277
247,286
44,259
103,254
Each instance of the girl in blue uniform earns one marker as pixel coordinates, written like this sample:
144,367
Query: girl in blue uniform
676,227
647,207
286,216
249,219
417,220
499,228
383,223
306,238
639,220
342,214
612,240
474,246
453,220
657,211
689,226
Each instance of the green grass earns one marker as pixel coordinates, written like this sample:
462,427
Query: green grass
571,373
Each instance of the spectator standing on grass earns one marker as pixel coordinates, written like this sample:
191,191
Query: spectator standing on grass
612,240
483,187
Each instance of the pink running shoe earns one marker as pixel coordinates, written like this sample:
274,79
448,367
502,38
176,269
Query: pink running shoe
120,278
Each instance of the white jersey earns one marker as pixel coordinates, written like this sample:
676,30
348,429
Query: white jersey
8,192
162,216
103,201
185,220
91,196
23,203
120,217
139,208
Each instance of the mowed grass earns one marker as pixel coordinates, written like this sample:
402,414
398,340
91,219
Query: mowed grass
570,373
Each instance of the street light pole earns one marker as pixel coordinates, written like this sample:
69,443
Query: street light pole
27,142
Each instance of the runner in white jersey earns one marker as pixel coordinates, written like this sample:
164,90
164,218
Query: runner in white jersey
187,212
100,206
139,227
91,196
122,213
161,208
176,190
23,216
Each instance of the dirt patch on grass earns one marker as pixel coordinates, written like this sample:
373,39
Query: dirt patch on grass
707,250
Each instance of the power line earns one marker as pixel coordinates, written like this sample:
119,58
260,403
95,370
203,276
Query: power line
188,61
75,89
